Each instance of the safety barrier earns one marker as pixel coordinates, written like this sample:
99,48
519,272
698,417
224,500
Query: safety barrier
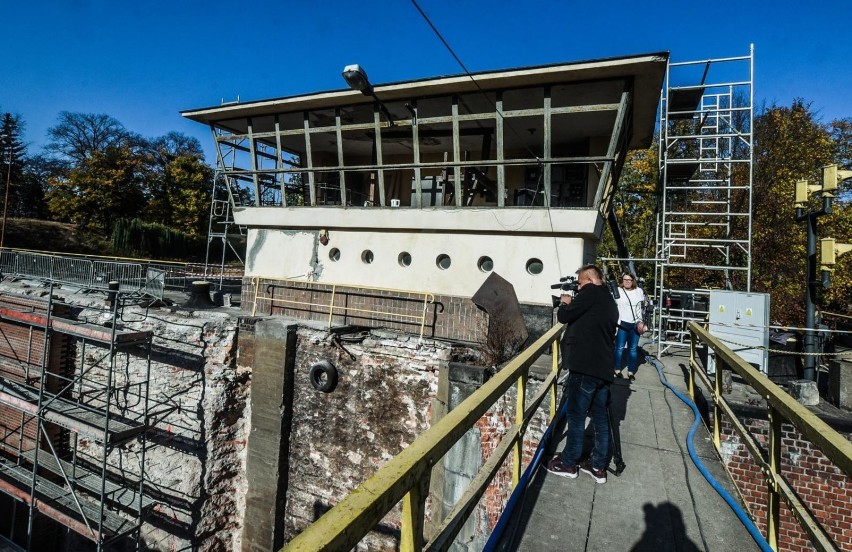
333,290
407,475
92,272
782,409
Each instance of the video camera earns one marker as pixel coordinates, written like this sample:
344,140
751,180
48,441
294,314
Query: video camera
568,283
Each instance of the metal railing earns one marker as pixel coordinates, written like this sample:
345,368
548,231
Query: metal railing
93,273
407,475
782,408
270,284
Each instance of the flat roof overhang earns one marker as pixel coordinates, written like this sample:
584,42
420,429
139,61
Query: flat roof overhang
646,71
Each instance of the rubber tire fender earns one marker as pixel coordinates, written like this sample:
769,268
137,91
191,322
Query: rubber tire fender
323,376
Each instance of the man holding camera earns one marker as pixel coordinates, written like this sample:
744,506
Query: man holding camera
587,352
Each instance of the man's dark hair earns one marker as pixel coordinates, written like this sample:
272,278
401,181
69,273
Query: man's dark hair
593,268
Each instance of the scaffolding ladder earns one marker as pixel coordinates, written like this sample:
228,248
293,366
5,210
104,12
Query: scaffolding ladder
706,173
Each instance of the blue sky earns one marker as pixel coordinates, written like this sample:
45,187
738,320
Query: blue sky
143,62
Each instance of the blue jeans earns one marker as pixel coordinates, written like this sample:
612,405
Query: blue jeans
631,339
586,395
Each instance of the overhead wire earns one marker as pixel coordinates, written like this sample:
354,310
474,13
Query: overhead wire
499,113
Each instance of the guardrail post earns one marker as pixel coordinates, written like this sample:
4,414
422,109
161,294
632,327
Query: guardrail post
773,506
717,399
692,365
331,306
520,407
555,356
414,516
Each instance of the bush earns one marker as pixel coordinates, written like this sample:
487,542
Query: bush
134,238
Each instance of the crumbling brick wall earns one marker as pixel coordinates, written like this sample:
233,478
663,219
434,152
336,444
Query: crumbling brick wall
388,382
824,489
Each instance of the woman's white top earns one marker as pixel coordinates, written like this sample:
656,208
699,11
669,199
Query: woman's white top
630,310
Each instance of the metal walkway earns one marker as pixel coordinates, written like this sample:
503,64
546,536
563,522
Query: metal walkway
660,502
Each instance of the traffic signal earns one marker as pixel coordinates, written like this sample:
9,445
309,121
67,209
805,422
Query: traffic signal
803,190
831,177
830,250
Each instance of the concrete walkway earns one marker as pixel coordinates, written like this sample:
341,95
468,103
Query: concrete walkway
661,502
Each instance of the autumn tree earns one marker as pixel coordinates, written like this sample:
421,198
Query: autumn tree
789,144
635,207
103,188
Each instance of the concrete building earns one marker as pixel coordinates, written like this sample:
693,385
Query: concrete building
432,185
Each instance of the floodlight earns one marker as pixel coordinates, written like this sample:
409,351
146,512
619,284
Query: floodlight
357,79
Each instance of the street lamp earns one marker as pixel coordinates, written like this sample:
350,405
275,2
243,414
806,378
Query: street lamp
8,140
357,79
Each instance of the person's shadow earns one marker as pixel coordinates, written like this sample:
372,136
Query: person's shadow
664,530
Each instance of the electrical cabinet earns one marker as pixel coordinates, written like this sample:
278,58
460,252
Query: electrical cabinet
741,321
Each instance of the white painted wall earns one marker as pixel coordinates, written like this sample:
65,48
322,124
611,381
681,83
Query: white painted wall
288,254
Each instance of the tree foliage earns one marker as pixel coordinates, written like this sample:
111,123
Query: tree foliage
105,187
790,144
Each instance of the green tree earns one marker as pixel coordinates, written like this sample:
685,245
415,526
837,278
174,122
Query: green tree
180,195
13,154
179,184
103,188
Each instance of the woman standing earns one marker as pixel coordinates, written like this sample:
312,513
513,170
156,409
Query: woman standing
630,301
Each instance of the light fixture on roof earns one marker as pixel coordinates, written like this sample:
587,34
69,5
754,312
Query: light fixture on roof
357,79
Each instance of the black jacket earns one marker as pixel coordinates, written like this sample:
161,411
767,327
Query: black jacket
587,344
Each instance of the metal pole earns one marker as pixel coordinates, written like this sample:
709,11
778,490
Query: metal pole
810,306
6,194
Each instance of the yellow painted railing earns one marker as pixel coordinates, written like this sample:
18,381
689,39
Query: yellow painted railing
259,282
407,475
782,408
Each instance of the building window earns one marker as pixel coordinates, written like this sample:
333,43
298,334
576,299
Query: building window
485,264
404,259
535,266
443,261
334,254
367,256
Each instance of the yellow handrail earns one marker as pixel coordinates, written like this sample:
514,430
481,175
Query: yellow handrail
332,288
406,476
782,407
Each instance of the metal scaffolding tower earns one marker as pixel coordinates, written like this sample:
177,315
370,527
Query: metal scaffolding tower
62,424
706,171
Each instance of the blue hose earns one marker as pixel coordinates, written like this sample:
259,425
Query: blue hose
740,513
497,533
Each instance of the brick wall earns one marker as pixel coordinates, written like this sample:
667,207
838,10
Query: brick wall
822,487
21,357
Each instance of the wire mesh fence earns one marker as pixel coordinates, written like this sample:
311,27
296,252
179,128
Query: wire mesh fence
146,277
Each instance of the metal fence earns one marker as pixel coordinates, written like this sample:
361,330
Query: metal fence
92,273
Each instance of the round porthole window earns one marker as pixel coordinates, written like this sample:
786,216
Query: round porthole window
443,261
485,264
535,266
404,259
367,256
334,254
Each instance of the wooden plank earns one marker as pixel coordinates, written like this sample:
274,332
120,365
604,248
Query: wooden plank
57,503
124,495
67,414
71,327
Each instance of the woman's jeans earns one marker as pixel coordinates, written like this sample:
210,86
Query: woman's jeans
586,395
631,339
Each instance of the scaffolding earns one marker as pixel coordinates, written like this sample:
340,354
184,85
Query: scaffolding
706,171
221,227
62,423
